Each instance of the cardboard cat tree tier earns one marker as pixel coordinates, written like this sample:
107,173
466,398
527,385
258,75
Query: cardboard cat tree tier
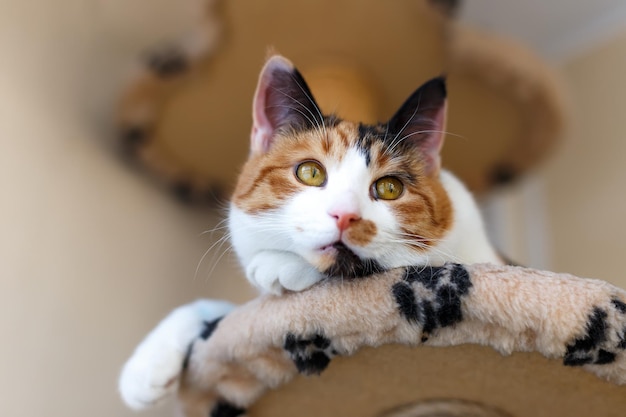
187,115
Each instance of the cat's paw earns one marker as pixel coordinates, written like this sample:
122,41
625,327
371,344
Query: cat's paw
273,272
153,371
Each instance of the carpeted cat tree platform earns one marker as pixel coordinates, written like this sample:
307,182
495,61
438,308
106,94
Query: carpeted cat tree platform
478,340
474,340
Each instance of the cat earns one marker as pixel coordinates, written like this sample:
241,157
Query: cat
324,198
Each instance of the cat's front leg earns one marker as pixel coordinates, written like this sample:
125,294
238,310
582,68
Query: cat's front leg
275,271
154,369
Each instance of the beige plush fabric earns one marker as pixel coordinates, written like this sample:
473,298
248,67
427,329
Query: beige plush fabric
420,322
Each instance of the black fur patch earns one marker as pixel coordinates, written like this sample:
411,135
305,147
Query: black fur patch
168,62
224,409
404,152
367,134
348,265
589,348
440,303
310,355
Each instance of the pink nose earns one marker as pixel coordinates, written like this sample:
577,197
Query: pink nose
344,218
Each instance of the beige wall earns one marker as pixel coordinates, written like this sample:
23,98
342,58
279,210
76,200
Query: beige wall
91,254
585,183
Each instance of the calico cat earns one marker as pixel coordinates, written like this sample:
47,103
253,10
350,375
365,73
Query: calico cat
323,198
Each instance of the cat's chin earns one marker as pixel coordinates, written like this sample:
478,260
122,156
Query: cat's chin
338,260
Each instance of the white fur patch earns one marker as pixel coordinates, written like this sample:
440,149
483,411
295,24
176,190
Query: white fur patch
152,373
273,271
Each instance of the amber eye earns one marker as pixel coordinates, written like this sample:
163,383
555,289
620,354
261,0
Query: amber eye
387,188
311,173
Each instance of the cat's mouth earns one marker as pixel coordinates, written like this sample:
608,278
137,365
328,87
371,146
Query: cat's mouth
347,264
329,249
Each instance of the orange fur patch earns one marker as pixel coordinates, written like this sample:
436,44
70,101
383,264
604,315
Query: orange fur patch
426,214
267,180
325,261
424,210
361,232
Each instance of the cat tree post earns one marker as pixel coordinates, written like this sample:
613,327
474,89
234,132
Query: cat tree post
345,90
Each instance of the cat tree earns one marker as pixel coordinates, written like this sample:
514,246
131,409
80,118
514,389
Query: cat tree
186,117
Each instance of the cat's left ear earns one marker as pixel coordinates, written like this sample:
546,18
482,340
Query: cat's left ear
421,122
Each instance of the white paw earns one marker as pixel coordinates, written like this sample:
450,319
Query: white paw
153,371
273,272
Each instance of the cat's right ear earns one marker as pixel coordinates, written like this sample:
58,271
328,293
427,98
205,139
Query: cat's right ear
282,100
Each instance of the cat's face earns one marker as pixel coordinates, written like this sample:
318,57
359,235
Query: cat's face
349,198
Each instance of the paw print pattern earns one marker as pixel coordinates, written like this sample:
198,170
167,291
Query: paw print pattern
432,296
168,62
604,338
620,306
310,355
224,409
208,327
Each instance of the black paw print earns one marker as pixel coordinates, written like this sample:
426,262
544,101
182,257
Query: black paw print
310,355
167,62
604,338
439,303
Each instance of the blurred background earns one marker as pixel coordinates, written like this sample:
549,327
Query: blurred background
95,247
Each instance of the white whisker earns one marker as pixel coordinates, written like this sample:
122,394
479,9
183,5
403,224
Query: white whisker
224,252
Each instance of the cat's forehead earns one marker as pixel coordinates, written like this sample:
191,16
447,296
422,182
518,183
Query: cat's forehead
359,135
373,142
336,139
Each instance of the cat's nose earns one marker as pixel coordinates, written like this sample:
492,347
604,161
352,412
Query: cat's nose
344,218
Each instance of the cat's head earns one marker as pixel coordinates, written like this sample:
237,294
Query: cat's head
349,198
